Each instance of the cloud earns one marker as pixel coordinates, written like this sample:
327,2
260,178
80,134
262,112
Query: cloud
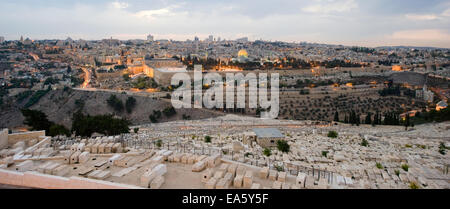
421,17
421,35
163,12
120,5
446,13
329,6
326,21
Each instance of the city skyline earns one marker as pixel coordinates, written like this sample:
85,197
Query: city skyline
346,22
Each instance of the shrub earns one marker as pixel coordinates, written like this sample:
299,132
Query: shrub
267,152
413,185
379,166
442,148
35,98
283,146
158,143
126,77
364,143
405,167
169,111
155,116
136,130
279,168
207,139
115,103
324,153
130,104
332,134
397,172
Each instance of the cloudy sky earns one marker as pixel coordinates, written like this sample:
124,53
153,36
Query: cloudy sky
348,22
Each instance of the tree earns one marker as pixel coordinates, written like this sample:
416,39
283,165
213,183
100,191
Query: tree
126,77
332,134
442,148
159,143
407,122
283,146
267,152
169,111
36,119
136,130
368,118
86,125
115,103
207,139
57,130
336,116
130,103
364,143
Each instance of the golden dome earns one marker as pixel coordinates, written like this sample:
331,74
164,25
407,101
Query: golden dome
242,53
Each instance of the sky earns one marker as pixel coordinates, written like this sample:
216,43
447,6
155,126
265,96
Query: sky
347,22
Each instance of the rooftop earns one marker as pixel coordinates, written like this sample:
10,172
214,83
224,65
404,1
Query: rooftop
268,133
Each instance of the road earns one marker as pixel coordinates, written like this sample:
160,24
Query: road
87,77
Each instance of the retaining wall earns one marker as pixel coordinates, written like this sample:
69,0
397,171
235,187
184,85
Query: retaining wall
37,180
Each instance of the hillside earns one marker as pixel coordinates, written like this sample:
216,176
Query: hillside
60,105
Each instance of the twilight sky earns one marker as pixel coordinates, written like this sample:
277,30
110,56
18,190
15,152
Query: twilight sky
348,22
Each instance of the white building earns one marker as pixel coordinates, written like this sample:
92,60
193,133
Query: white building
2,39
150,38
425,94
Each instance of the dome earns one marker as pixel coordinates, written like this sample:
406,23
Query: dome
242,53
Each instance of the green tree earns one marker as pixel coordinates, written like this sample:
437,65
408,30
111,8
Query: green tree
267,152
332,134
336,116
159,143
57,130
407,121
368,118
36,119
126,77
283,146
364,143
207,139
130,103
169,111
115,103
86,125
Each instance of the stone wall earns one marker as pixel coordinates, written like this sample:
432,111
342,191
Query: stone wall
25,136
44,181
3,138
268,142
